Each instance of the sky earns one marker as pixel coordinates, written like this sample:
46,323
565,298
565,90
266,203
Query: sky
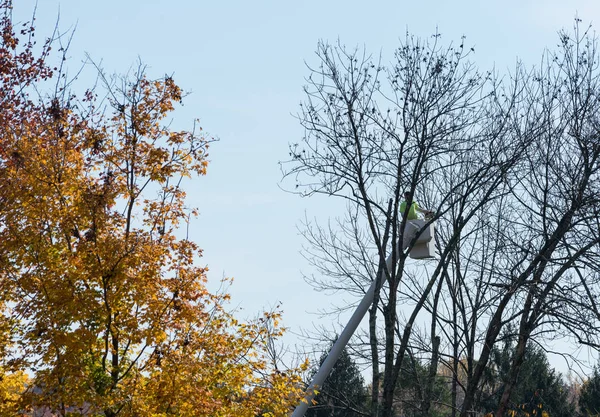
244,64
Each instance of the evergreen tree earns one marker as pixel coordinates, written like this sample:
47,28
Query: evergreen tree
411,389
589,397
343,393
539,387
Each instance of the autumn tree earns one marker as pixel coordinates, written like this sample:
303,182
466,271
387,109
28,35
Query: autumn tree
20,69
103,304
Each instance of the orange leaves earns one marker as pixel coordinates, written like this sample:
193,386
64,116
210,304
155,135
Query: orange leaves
106,304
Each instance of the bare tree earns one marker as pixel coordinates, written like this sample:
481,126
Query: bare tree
511,168
529,257
374,132
558,197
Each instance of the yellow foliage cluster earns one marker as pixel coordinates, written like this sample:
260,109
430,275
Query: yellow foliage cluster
521,411
12,386
102,305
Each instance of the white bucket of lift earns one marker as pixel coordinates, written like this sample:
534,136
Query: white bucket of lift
424,246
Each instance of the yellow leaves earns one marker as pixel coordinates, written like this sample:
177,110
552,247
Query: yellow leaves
104,296
527,410
305,365
12,386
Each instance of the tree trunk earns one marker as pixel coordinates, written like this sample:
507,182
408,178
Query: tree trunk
431,377
514,373
374,348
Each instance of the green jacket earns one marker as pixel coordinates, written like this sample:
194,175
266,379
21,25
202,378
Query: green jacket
412,212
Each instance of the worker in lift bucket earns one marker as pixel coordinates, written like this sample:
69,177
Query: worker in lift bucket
414,208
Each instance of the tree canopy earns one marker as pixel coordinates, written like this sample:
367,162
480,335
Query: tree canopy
104,309
510,166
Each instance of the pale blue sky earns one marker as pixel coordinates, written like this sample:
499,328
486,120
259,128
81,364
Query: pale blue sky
244,64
